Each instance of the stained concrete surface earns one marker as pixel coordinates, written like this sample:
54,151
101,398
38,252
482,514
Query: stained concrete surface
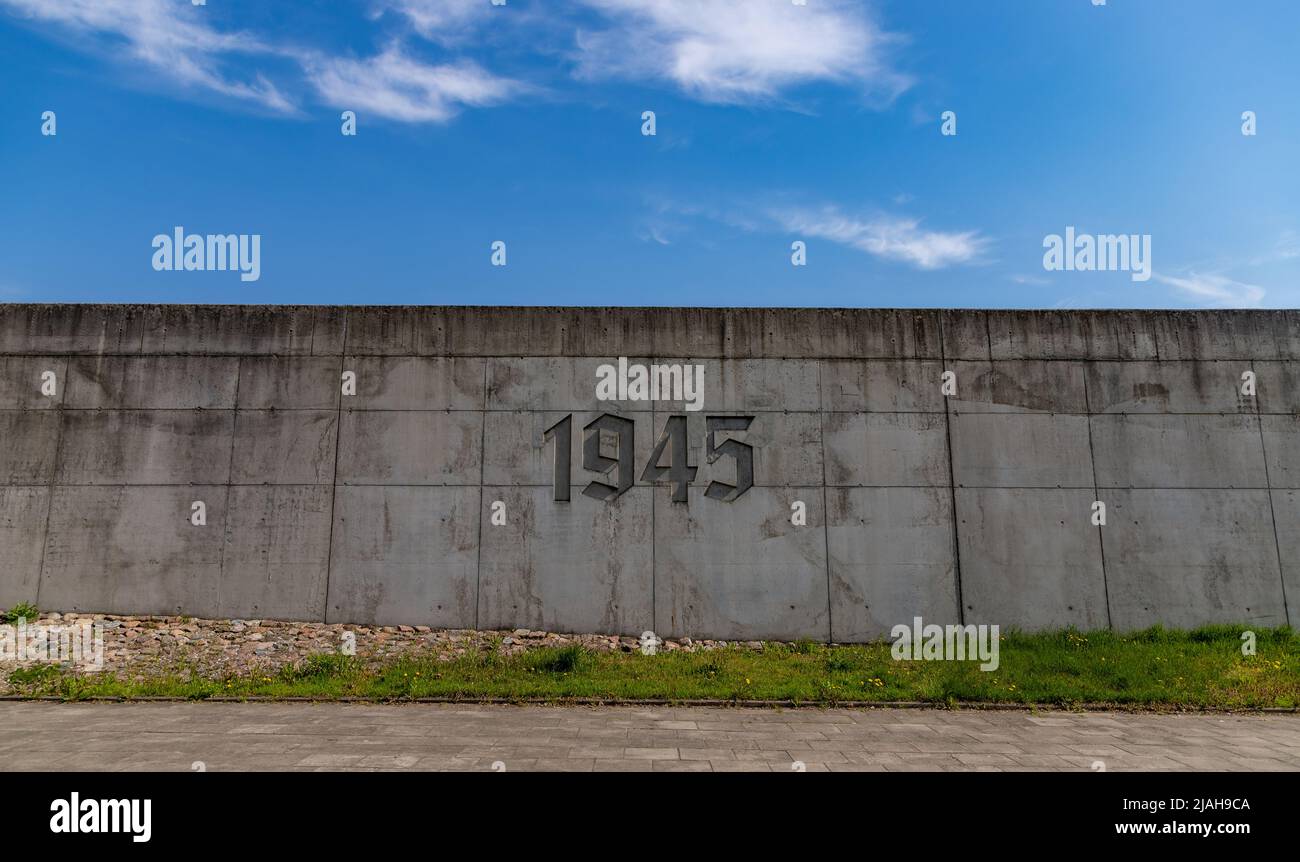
377,507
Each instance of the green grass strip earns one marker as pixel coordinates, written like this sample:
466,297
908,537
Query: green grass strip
1156,668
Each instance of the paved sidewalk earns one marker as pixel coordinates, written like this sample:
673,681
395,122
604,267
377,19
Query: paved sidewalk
244,736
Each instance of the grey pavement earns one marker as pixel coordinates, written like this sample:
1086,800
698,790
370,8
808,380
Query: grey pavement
373,737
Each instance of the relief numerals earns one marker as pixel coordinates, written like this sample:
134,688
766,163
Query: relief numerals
672,443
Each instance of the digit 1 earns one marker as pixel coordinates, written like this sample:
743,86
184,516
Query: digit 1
561,474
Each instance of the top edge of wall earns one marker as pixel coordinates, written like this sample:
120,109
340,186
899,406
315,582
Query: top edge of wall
687,333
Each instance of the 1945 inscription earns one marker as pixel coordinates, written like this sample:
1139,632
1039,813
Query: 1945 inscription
679,472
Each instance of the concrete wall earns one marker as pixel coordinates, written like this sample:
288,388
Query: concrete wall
377,507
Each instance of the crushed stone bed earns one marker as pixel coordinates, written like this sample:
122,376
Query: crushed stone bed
139,646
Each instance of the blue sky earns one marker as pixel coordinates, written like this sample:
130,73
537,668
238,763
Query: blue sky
775,123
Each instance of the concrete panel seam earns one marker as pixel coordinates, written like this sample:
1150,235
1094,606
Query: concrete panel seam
334,484
965,411
1101,538
654,532
54,474
482,462
1272,510
952,477
826,521
230,472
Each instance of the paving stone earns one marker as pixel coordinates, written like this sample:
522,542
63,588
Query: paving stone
650,753
421,737
682,766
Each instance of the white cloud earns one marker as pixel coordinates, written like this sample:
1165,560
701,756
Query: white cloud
739,50
892,237
1216,290
394,86
715,50
1288,246
660,233
170,37
173,37
444,20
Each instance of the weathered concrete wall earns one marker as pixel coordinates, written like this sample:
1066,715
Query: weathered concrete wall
376,507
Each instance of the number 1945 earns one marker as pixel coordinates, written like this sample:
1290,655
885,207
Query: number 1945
679,472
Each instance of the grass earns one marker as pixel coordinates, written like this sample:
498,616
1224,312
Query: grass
21,611
1156,668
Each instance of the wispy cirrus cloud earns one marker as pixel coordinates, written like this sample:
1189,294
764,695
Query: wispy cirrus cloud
1215,290
166,36
444,20
884,235
899,238
1286,248
177,38
395,86
714,50
739,50
732,51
